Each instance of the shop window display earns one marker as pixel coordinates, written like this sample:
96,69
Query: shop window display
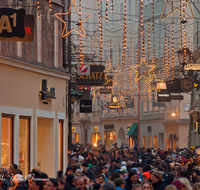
6,141
95,138
109,138
24,142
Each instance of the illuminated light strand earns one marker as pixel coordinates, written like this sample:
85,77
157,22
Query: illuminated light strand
119,59
172,51
111,57
38,7
111,6
153,16
137,63
91,48
142,28
191,54
185,35
168,56
149,40
165,57
81,39
106,10
181,40
130,74
98,5
50,8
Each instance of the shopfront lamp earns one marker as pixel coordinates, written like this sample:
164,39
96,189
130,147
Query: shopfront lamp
184,56
173,114
114,99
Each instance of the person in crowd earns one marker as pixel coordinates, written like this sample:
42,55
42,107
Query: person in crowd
12,168
170,187
156,179
74,164
145,176
195,176
137,187
146,185
81,183
108,185
113,166
186,183
100,179
69,182
51,184
61,184
87,171
179,185
132,180
119,183
196,186
90,159
96,186
36,184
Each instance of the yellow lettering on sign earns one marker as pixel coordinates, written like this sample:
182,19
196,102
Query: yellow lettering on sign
92,75
14,16
83,77
195,85
5,24
100,77
87,76
78,76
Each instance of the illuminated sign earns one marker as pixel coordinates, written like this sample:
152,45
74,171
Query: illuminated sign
194,67
163,96
45,93
12,23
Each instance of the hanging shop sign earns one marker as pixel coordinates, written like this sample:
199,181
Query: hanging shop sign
83,69
29,31
85,106
194,67
12,23
187,84
186,107
176,97
96,77
174,86
129,103
44,93
163,96
108,80
105,91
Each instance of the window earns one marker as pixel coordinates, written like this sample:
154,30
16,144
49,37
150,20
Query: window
19,49
60,146
144,107
55,43
76,138
137,9
95,138
39,39
155,108
113,17
6,141
127,111
144,141
121,13
94,20
24,146
135,105
155,142
149,141
129,11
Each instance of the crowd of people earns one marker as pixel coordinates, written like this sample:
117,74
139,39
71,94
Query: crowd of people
113,169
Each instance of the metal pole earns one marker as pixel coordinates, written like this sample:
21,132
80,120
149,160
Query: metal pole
69,83
139,59
191,122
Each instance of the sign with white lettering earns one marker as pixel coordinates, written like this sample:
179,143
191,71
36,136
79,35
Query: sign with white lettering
96,77
85,106
163,96
194,67
12,23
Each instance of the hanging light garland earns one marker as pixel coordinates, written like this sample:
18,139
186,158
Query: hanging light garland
165,57
91,48
153,16
168,56
181,40
185,35
149,40
50,8
81,38
111,6
172,50
130,70
38,7
106,10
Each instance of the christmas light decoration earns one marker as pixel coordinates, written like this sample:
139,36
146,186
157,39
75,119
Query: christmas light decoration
176,9
153,16
81,39
111,6
106,10
50,6
172,51
80,23
180,17
38,7
149,40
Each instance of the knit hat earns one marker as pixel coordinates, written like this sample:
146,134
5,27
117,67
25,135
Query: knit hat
107,166
85,164
73,159
177,183
123,168
80,158
146,174
119,181
123,163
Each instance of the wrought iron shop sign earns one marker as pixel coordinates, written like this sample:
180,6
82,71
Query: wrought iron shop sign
12,23
163,96
85,106
96,77
44,93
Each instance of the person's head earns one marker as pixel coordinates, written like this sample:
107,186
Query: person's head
69,179
103,170
195,173
146,185
69,170
12,168
114,176
73,161
100,179
170,187
137,187
133,176
90,155
107,168
96,186
51,184
119,182
81,183
18,178
84,166
108,185
61,184
186,183
196,186
113,163
36,184
78,172
156,177
179,185
145,176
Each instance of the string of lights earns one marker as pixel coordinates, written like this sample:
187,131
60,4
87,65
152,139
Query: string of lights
172,50
106,10
81,38
50,8
38,8
153,16
111,6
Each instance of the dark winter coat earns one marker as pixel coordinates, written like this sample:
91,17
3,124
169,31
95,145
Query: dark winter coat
158,186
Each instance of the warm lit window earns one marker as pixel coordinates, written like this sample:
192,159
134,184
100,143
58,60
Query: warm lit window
76,137
144,141
95,138
39,39
155,142
145,107
24,146
121,13
60,148
6,141
149,141
55,43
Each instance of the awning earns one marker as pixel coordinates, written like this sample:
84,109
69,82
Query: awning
133,130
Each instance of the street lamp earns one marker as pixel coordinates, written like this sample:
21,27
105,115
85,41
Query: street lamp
173,114
184,56
114,99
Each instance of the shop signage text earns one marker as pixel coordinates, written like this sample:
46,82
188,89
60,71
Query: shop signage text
163,96
109,126
105,91
44,93
96,77
85,106
12,23
194,67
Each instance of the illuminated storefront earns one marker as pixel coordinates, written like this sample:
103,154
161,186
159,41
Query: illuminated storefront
109,135
95,138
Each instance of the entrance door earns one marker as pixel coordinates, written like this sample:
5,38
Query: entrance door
45,145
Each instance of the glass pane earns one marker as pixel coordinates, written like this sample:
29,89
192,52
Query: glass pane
144,141
6,142
60,146
24,151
